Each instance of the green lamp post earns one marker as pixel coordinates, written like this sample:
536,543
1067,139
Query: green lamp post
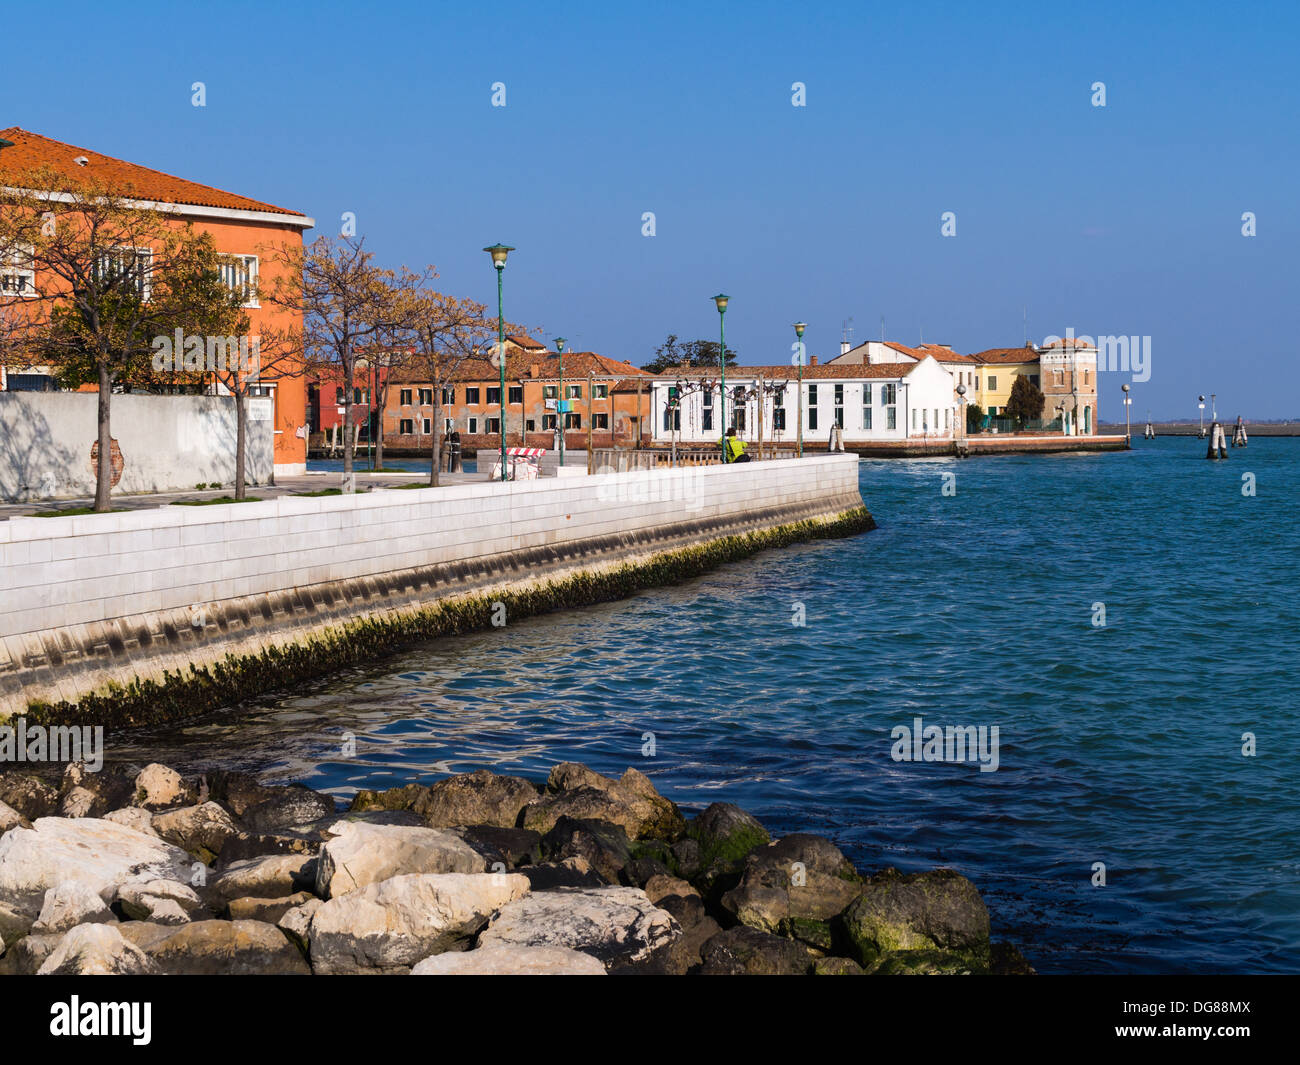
721,302
499,253
799,327
559,403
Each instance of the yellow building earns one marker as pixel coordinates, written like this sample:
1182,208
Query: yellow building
997,372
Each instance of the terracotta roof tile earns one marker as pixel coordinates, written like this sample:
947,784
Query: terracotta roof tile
31,151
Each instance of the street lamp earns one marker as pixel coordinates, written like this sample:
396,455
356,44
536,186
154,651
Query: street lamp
1128,435
499,253
721,301
559,403
799,327
961,411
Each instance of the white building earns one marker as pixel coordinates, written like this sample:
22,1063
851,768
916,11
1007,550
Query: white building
963,368
870,402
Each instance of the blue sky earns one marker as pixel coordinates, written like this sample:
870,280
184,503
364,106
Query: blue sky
1117,220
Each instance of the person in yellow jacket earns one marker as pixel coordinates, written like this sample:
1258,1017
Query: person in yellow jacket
733,448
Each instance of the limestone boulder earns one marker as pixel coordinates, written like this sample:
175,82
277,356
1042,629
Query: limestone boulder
96,950
269,911
28,794
11,818
133,817
613,924
391,925
360,853
162,901
515,961
158,786
204,948
201,830
69,904
93,793
97,853
272,876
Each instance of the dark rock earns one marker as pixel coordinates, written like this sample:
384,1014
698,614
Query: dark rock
211,948
248,845
927,963
1006,960
631,802
794,887
570,873
639,871
937,910
478,798
511,846
679,957
403,798
286,808
745,951
602,844
111,788
837,967
726,834
29,795
686,858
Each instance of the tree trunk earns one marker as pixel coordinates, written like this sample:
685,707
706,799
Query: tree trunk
379,396
241,442
349,443
104,467
435,455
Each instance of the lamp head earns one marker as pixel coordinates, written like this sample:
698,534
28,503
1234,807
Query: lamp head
721,301
799,327
499,253
559,345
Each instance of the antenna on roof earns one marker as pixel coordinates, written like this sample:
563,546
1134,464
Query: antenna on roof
1025,337
846,331
882,328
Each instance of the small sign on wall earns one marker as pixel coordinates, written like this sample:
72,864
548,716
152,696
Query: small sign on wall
259,410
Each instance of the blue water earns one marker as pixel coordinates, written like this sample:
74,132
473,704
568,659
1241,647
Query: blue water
1119,744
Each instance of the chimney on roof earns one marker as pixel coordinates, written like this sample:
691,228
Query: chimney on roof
812,360
534,370
844,347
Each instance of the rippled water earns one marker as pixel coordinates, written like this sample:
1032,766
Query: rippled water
1119,744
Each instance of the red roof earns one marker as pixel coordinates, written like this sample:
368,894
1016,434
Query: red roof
31,151
522,341
1004,355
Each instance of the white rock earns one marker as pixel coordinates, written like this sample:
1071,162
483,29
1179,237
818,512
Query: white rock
206,826
77,802
511,961
389,926
161,901
98,853
69,904
361,853
158,786
270,877
96,950
11,818
611,923
296,923
133,817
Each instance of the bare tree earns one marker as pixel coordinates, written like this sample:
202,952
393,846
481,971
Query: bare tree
108,275
347,304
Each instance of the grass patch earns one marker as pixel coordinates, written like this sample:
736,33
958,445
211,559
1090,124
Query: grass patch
322,492
215,502
74,512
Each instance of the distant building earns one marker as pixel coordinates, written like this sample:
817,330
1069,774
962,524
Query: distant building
607,400
1069,383
900,400
996,373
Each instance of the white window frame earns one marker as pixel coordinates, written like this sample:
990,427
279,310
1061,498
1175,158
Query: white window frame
14,269
140,254
242,272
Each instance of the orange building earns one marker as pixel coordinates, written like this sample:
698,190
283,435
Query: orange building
242,227
609,402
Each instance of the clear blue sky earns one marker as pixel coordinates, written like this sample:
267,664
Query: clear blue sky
1117,220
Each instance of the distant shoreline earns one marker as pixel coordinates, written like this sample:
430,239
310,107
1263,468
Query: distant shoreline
1191,428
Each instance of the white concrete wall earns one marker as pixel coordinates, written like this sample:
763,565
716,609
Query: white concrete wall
56,573
167,442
